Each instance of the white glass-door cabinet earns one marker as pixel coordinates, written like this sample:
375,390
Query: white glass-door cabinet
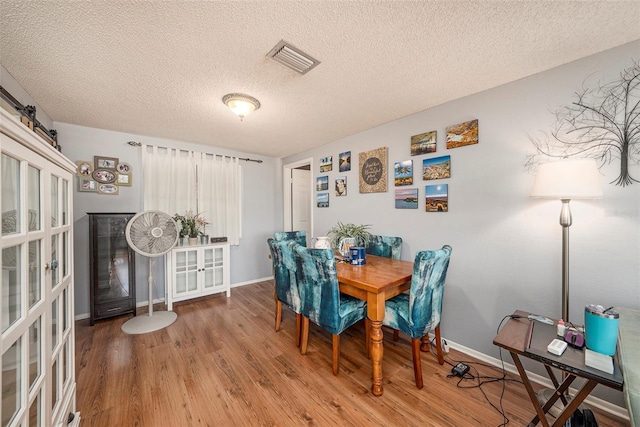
196,271
36,299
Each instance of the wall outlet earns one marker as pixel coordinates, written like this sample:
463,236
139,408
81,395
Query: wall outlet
445,346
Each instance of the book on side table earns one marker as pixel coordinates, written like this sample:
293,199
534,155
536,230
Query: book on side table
598,361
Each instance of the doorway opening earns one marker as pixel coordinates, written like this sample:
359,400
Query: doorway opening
297,197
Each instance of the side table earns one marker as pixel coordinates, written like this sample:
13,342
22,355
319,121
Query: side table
522,337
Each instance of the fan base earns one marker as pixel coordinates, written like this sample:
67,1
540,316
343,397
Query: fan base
145,323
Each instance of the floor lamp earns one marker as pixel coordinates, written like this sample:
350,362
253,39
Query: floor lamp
565,180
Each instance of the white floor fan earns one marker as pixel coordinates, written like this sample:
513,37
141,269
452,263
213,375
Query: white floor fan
152,234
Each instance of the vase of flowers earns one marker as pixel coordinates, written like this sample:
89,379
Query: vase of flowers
191,225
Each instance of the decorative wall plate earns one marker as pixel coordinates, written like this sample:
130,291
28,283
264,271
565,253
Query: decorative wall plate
104,176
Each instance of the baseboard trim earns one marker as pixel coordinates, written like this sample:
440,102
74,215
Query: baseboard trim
601,404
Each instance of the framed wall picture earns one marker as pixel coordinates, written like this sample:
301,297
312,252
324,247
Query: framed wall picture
424,143
104,176
322,183
323,200
341,186
436,198
403,173
101,162
407,198
124,180
85,168
326,164
462,134
110,189
373,171
87,185
123,168
436,168
344,161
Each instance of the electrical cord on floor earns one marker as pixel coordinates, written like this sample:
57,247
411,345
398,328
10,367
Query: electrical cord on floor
482,379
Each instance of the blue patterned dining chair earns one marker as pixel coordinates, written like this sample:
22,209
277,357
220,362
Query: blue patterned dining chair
385,246
388,247
300,237
284,273
322,302
419,312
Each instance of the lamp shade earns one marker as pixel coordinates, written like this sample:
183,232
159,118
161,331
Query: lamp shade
568,179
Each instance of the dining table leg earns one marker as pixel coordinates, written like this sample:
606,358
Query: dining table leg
376,357
375,312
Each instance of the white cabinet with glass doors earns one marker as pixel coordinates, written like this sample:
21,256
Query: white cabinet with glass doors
36,299
196,271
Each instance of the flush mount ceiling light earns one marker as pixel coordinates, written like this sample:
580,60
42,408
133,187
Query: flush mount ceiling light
242,105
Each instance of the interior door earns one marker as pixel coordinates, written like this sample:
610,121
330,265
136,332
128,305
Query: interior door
301,201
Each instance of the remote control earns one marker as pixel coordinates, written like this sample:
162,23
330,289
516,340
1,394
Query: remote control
540,319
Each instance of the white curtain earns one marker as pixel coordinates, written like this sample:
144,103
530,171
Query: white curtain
177,181
169,179
220,190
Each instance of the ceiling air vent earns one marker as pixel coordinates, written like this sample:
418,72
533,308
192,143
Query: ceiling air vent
292,57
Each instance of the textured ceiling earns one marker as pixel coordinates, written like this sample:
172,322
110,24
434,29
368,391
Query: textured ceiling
161,68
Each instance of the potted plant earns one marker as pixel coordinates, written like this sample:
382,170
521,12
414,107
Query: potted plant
341,231
192,225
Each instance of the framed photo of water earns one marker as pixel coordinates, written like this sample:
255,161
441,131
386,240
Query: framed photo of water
323,200
407,198
322,183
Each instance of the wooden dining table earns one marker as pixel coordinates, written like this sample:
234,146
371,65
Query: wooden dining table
375,282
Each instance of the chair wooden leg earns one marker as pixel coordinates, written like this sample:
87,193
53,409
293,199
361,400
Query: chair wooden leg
336,353
278,314
417,366
367,337
439,346
298,329
305,335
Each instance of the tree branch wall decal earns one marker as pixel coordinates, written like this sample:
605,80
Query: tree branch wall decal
603,123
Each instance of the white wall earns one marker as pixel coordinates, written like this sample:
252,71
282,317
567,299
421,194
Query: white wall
506,246
248,260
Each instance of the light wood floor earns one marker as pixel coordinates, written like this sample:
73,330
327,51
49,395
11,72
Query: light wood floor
222,364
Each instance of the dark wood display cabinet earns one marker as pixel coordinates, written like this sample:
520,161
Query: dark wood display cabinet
113,282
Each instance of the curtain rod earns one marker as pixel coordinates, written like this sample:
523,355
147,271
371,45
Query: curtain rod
246,159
